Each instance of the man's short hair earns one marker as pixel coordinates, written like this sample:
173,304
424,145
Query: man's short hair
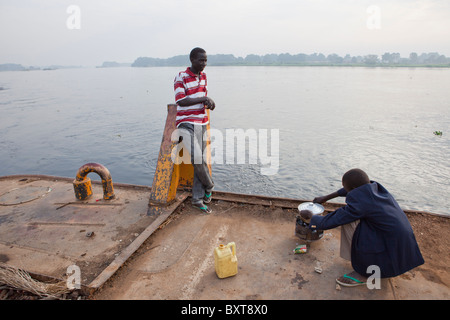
195,52
355,178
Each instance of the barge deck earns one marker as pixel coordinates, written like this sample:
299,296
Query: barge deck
124,253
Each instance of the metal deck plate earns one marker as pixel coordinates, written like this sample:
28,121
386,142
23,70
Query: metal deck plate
44,229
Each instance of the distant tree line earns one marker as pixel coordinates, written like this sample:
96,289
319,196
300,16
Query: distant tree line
431,59
11,67
414,59
113,64
19,67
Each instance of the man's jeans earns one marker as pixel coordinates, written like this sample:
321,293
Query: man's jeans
194,141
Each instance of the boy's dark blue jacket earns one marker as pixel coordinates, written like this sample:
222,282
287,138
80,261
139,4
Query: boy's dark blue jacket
384,236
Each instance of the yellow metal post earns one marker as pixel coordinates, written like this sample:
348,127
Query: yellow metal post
170,176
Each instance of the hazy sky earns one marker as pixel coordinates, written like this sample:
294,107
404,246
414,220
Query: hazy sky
81,32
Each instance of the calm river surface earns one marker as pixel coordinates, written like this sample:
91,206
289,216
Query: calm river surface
320,122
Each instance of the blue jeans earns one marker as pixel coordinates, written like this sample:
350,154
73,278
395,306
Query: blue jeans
194,141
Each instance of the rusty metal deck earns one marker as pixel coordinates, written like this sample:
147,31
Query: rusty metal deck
44,230
177,262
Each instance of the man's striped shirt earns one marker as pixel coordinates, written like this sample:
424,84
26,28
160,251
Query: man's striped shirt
189,85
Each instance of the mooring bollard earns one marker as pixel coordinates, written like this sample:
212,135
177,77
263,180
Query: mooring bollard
83,186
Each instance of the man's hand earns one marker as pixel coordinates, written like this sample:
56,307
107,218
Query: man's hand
209,103
306,215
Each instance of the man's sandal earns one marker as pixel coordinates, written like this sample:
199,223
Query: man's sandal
202,207
354,282
207,198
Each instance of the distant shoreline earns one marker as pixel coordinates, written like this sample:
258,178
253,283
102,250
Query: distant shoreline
391,66
386,60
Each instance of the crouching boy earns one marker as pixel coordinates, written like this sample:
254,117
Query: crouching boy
376,231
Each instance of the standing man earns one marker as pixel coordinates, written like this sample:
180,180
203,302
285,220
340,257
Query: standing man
191,98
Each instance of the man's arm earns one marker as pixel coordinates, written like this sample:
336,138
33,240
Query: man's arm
209,103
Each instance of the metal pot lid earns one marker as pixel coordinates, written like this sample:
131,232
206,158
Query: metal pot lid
315,208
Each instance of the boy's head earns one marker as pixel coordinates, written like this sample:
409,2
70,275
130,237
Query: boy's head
198,59
354,178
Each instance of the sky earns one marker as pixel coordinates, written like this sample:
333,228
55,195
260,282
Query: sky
87,33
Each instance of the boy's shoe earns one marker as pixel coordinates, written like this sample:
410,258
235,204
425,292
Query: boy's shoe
207,198
202,207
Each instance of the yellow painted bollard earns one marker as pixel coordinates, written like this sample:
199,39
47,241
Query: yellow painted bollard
225,260
82,184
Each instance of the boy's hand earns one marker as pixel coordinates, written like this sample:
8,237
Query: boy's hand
210,104
306,215
319,200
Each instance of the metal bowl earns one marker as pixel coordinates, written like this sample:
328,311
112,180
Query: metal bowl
315,208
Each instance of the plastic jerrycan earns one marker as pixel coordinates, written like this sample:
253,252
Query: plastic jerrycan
225,260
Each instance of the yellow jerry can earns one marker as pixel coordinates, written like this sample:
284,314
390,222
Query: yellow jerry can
225,260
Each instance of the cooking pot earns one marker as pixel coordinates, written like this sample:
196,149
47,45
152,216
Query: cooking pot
302,229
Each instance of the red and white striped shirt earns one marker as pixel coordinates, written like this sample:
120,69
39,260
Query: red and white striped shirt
189,85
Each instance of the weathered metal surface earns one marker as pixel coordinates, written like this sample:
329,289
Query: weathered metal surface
177,262
125,254
22,195
45,229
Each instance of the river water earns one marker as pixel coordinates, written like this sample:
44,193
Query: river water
309,126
